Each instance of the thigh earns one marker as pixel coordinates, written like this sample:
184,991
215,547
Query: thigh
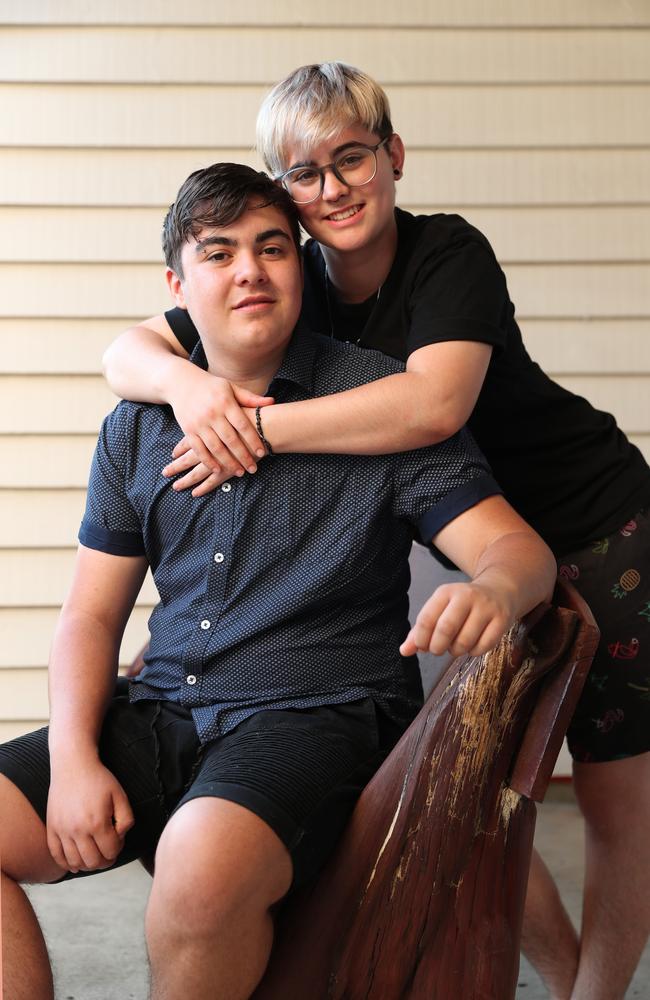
300,771
23,844
612,720
149,747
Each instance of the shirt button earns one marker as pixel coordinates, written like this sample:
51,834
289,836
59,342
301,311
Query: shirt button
226,488
205,624
218,557
191,679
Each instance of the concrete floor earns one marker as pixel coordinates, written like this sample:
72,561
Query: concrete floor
94,925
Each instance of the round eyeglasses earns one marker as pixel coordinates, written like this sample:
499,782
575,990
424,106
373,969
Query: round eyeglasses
355,166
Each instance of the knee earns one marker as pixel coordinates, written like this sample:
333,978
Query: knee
198,893
183,907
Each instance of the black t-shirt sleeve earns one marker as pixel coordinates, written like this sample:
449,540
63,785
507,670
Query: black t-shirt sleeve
183,328
459,293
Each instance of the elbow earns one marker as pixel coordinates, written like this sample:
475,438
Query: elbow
438,417
107,363
441,423
449,422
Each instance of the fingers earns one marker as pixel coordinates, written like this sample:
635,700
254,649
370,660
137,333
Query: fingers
222,448
55,847
208,485
83,852
182,446
459,619
123,818
186,460
201,477
246,398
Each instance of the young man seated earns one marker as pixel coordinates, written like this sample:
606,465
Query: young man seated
275,683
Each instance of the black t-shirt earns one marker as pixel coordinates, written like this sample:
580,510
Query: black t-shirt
565,466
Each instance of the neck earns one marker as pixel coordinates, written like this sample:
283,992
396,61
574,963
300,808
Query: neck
358,274
254,373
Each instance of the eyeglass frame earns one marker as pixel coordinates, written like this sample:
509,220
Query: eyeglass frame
280,179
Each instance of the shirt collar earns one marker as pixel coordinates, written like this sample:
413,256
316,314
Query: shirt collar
298,362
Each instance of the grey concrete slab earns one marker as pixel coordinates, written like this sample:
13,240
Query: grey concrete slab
94,926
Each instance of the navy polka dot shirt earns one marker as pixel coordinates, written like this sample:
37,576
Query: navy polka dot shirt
287,588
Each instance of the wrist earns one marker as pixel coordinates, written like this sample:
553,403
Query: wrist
168,378
259,427
68,751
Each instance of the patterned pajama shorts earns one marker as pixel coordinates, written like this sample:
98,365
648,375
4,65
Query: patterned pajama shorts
612,720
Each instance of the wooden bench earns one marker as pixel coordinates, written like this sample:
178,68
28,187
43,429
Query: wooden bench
423,898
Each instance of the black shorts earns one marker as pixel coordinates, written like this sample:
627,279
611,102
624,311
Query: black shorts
612,720
300,770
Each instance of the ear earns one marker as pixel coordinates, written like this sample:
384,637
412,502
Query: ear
397,153
175,286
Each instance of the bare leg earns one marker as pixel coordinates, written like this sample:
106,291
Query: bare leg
219,868
615,801
25,858
549,939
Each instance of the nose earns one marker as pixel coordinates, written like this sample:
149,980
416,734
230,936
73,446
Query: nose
333,188
251,270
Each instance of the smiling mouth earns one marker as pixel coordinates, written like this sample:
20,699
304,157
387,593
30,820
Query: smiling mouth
345,213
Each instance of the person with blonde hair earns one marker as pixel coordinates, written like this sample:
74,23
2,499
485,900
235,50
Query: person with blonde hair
429,291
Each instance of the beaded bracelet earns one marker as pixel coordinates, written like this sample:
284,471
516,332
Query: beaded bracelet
260,431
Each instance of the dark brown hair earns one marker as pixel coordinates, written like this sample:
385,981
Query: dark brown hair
217,196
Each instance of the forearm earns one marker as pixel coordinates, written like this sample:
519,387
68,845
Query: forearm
520,566
426,404
82,672
142,365
396,413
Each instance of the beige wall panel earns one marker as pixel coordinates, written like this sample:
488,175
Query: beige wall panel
82,115
49,461
53,404
580,291
290,12
151,177
254,55
588,291
522,116
518,234
83,290
91,235
107,176
595,346
526,176
626,397
42,578
23,692
55,345
10,730
642,441
41,518
27,636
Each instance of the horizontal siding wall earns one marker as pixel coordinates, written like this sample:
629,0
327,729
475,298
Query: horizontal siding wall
529,117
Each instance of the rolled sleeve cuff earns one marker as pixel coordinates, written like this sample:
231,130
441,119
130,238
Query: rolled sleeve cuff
115,543
455,503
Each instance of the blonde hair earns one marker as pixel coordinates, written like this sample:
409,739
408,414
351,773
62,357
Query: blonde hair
315,103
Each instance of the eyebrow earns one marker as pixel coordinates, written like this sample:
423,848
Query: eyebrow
228,241
335,152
